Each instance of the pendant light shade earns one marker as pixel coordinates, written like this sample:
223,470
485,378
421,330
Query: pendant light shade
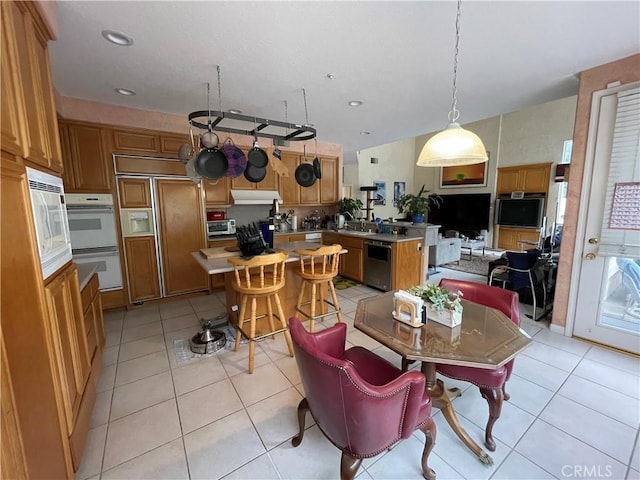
454,145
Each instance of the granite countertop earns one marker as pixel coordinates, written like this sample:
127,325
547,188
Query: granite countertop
85,272
220,265
380,237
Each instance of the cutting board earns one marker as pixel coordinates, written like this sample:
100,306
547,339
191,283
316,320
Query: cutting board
219,252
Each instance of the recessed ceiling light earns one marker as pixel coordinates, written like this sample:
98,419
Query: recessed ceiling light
237,112
365,133
117,38
125,91
355,103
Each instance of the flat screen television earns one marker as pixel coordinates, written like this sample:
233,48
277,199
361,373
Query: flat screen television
520,212
468,213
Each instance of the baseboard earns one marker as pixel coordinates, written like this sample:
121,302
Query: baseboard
556,328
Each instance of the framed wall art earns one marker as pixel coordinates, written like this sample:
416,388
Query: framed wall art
464,176
380,195
398,191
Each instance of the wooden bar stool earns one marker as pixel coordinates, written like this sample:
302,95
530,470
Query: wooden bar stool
259,277
318,268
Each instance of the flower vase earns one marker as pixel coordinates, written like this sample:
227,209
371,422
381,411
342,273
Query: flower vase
450,318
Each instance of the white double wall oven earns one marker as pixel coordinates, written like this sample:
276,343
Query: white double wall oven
94,236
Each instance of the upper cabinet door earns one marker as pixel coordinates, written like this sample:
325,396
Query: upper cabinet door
329,180
31,90
134,193
12,126
289,188
92,169
48,104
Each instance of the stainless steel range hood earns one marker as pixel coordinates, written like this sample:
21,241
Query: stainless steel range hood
255,197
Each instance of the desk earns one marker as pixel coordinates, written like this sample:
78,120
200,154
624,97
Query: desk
485,339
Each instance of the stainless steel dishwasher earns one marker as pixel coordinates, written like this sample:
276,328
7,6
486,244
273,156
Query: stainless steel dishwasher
377,264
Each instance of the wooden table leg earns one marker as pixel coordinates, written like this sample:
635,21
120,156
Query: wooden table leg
441,398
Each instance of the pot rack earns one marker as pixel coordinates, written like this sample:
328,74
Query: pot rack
279,132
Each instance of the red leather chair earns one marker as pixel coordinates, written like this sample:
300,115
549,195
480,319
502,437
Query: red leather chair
490,382
362,403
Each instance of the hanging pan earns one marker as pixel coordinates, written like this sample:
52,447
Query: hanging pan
316,164
256,156
236,157
255,174
211,163
305,176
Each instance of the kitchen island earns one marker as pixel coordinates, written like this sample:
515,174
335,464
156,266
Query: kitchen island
288,295
381,260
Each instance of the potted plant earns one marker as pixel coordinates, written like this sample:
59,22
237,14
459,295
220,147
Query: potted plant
418,206
442,305
350,207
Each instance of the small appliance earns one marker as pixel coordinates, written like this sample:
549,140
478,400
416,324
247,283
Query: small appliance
50,218
213,215
221,227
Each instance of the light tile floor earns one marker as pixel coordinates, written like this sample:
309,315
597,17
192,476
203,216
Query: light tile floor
574,410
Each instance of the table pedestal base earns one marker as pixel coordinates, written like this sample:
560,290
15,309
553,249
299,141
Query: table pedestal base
441,398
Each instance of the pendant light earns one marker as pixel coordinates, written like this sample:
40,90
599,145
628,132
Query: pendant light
454,145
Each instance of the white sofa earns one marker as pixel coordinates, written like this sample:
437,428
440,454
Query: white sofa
446,250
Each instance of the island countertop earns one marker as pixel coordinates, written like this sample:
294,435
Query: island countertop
220,265
380,237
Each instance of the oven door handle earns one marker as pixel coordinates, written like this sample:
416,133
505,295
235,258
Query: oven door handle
71,209
95,252
381,245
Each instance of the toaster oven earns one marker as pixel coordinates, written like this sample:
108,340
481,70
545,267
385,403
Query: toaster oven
221,227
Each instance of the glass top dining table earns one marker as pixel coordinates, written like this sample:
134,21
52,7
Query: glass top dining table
486,338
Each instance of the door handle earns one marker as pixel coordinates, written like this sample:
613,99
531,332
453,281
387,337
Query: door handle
593,241
590,256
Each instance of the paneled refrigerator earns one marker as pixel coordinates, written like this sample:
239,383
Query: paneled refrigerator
162,222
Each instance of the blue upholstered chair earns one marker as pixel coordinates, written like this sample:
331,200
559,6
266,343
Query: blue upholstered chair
523,271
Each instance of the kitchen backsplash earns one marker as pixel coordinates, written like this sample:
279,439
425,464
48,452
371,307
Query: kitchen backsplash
245,214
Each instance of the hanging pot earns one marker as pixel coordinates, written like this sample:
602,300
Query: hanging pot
316,168
305,176
236,157
255,174
316,162
257,157
211,163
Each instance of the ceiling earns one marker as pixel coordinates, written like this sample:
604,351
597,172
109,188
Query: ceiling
396,57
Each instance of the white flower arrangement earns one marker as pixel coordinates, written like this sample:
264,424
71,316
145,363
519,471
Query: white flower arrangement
441,298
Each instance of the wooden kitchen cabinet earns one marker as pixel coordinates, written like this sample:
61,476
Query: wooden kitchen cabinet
216,192
270,181
294,237
134,192
147,142
509,238
93,319
351,263
68,339
406,259
329,181
181,228
323,192
12,122
142,268
88,166
289,188
29,108
532,178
